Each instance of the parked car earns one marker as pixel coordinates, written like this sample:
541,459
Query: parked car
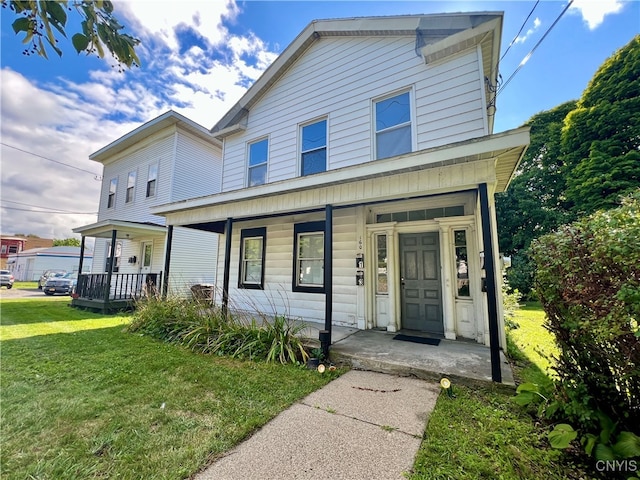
49,273
61,284
6,279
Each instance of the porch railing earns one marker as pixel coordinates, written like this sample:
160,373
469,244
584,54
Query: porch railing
124,286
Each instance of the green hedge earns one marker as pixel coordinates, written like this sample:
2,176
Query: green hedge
588,280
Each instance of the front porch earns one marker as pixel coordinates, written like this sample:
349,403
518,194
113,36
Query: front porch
113,292
461,361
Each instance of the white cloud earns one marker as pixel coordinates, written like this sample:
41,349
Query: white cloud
531,31
594,11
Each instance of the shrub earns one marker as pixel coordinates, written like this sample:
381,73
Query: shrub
588,280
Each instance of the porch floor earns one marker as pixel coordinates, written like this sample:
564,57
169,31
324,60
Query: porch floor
463,361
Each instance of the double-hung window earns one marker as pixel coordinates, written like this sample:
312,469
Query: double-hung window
393,125
313,151
308,274
111,198
258,157
152,179
131,187
252,256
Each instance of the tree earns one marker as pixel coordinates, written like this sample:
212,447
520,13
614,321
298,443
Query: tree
40,19
601,136
534,204
66,242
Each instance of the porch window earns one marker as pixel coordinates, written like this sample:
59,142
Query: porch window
252,256
258,157
462,263
393,125
152,178
117,257
131,187
381,267
314,148
308,274
113,187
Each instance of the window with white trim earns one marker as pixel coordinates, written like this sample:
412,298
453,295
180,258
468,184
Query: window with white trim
308,274
462,263
111,198
252,256
393,125
313,148
152,179
131,187
257,165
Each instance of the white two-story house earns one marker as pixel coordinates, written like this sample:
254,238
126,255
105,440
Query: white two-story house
168,159
358,179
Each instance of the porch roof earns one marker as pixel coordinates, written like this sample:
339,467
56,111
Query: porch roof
491,159
124,229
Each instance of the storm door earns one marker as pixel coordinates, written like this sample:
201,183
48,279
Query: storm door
147,256
421,289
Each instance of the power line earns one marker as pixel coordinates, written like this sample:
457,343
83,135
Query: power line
56,210
528,56
48,211
95,175
520,31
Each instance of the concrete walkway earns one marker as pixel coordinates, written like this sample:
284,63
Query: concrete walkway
363,425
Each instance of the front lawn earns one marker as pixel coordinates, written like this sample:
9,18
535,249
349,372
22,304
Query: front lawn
101,403
481,433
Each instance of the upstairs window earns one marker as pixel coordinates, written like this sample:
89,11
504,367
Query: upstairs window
308,274
111,198
252,254
131,187
152,178
314,148
393,125
258,156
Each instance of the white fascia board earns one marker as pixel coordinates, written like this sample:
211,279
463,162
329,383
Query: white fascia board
460,41
498,143
105,227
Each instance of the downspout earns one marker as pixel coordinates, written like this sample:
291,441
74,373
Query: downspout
112,252
227,267
492,298
167,262
325,335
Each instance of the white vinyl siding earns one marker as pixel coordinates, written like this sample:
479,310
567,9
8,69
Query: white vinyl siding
277,296
193,259
341,77
197,170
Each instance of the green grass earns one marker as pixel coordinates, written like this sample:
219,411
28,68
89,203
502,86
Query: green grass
481,433
101,403
26,285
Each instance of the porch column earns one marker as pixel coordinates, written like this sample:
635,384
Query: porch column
227,266
81,255
167,262
492,298
325,335
112,252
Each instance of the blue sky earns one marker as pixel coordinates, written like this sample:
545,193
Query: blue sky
198,58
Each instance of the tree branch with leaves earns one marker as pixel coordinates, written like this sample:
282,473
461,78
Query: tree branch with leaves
42,22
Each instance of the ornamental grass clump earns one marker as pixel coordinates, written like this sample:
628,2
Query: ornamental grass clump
206,329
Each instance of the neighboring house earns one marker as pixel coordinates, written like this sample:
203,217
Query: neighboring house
359,179
10,246
168,159
29,264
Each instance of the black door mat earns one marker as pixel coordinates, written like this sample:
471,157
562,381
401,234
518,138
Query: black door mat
411,338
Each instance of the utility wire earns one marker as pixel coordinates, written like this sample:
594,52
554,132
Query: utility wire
95,175
520,31
528,56
48,211
57,210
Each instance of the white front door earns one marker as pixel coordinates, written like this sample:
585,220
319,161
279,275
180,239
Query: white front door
147,256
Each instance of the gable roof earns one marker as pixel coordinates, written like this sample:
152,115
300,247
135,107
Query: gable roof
437,37
161,122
